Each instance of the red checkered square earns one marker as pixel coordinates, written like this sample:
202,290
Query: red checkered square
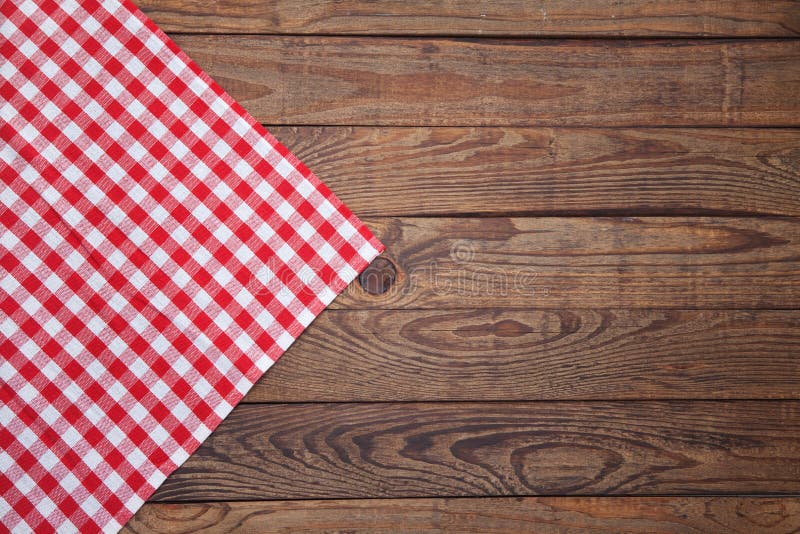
160,250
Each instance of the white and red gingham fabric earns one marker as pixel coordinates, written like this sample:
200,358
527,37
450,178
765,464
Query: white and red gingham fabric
160,250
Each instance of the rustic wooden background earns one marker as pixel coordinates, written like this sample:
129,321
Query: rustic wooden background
593,207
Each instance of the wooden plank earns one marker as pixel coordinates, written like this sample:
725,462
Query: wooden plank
495,171
485,515
538,263
356,450
460,82
736,18
411,355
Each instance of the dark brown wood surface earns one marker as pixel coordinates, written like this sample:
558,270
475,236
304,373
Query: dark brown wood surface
488,82
587,318
414,171
499,515
301,451
740,18
544,262
433,355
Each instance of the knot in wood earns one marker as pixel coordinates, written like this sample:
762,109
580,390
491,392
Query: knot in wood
378,277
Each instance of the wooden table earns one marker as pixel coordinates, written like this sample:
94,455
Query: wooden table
591,209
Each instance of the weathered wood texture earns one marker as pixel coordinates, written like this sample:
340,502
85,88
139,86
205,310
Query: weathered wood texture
672,262
408,355
465,146
311,451
634,515
460,82
536,171
739,18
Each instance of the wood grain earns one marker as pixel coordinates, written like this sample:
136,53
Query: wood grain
480,122
410,355
461,82
668,262
485,515
491,171
738,18
356,450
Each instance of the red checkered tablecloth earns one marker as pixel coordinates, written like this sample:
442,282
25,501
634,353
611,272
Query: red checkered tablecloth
160,250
